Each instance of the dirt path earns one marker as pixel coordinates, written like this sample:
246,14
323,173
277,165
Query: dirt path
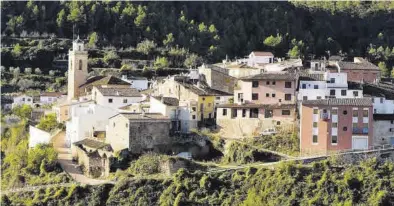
71,168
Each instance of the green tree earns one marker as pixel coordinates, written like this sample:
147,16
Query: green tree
192,61
272,41
112,58
169,40
383,68
28,70
37,71
146,46
392,72
161,63
61,18
93,38
23,111
141,16
48,122
17,51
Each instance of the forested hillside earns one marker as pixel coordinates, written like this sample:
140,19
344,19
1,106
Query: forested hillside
214,29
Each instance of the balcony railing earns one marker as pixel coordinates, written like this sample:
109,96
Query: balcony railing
360,130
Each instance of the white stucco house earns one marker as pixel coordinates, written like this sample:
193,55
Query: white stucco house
382,105
38,136
115,97
259,57
140,83
383,129
86,119
51,97
22,99
326,85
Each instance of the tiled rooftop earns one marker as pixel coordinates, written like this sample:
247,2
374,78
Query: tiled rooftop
170,101
251,105
122,92
340,102
92,143
363,65
272,76
141,116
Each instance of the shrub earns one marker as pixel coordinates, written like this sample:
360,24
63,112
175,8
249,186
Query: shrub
148,164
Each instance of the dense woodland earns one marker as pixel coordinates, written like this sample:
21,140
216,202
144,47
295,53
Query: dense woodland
332,182
209,29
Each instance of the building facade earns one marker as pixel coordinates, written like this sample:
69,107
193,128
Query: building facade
360,70
115,97
21,100
334,125
77,68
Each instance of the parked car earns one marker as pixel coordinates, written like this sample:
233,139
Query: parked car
270,131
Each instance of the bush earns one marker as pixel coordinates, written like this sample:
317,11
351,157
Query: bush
147,164
48,123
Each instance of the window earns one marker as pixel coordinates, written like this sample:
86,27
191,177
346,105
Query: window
305,98
23,99
314,139
267,95
334,111
365,125
365,113
254,113
278,123
343,92
234,113
355,113
314,124
354,125
217,98
110,100
288,97
255,84
334,124
355,93
373,100
224,112
287,84
193,116
194,109
240,97
345,112
273,95
381,100
243,112
203,99
345,129
315,111
285,112
374,110
127,125
332,92
334,139
80,64
273,83
332,80
392,121
318,97
124,100
304,86
268,113
268,83
316,87
113,124
255,96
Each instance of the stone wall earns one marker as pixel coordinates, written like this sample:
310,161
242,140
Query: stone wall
149,136
172,165
94,165
218,80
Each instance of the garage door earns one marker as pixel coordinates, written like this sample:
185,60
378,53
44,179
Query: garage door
360,143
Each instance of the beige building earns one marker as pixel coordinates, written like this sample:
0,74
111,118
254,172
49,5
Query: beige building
139,132
218,78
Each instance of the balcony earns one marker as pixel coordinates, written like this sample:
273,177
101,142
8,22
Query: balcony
360,130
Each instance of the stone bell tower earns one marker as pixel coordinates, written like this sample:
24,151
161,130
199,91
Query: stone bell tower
77,68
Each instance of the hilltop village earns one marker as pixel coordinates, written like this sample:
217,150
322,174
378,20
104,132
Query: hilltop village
329,105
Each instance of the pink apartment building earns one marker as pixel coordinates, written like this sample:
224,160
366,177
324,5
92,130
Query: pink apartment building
333,125
261,101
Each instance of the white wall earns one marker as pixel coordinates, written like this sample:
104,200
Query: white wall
381,132
117,101
253,60
382,105
48,100
23,99
140,84
38,136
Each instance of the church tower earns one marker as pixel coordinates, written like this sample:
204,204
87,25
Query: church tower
77,68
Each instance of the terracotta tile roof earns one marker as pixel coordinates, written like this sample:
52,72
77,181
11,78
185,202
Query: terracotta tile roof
92,143
104,80
143,116
340,102
121,92
383,117
262,53
311,77
170,101
251,105
52,94
364,65
272,76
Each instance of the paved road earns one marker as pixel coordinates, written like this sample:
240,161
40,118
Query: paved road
71,168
